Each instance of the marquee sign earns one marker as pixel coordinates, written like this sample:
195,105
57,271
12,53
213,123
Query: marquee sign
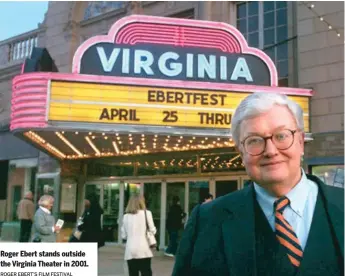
146,105
149,75
174,49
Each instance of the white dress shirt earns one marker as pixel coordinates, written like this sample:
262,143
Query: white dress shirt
300,211
134,231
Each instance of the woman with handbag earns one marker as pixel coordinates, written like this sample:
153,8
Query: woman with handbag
139,230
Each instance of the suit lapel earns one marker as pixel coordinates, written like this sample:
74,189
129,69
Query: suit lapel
239,234
334,203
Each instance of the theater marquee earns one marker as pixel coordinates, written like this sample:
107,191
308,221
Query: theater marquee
150,76
145,105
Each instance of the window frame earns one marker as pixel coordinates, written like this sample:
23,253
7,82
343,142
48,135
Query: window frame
261,32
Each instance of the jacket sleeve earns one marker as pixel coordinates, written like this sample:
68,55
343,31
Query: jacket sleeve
150,222
123,228
41,225
183,258
31,211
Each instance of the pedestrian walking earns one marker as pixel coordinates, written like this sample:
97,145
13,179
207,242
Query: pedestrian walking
25,213
44,228
174,225
90,225
136,224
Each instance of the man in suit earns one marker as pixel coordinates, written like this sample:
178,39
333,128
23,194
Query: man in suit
285,222
25,213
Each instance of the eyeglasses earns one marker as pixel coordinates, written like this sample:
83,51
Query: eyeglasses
256,145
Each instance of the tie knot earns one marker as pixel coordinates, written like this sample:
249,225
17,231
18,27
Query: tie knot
281,204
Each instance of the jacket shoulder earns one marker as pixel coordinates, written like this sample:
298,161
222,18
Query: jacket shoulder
224,204
334,195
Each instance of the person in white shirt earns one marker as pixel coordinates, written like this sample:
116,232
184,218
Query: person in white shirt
138,253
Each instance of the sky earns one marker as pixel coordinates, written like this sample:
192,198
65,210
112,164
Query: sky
17,17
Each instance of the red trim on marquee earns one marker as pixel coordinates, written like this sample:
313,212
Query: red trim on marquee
180,36
29,100
30,92
225,37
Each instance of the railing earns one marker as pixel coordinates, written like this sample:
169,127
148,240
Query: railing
22,49
17,48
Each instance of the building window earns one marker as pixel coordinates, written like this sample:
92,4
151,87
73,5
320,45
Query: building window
95,8
332,175
188,14
265,26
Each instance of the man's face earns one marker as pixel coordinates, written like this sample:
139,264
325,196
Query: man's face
273,166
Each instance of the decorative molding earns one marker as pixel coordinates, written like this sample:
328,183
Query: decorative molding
115,13
11,69
148,3
22,36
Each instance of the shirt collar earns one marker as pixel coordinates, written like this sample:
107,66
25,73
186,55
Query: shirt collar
45,210
297,196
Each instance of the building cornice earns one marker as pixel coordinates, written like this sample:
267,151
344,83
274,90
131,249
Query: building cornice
11,70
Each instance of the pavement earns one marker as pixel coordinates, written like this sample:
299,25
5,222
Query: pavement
111,262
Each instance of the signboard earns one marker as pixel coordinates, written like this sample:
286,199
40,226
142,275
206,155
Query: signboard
174,63
159,48
68,197
146,105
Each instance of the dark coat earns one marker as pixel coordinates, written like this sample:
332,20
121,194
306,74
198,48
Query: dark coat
91,226
219,238
175,216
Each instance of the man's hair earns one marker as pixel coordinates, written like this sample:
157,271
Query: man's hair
175,199
208,196
260,103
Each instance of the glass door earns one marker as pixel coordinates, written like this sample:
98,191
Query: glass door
174,190
111,203
131,188
152,194
48,184
16,197
226,186
197,192
108,195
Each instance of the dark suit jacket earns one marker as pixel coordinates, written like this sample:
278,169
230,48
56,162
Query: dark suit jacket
91,226
219,238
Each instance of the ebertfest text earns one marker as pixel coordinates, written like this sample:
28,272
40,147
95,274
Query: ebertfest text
48,259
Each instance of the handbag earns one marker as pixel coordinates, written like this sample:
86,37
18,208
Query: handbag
149,235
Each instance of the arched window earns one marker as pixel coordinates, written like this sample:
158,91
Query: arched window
95,8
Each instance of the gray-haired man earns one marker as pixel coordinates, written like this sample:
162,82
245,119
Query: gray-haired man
285,222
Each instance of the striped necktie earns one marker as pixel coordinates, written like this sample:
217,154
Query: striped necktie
285,233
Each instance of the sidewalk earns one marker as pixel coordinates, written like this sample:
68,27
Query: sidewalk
111,262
